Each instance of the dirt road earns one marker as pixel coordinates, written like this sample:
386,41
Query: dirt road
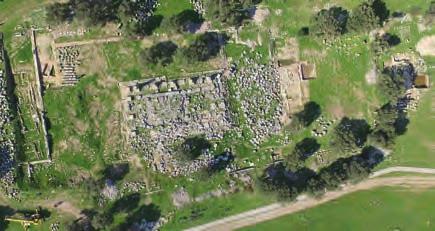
88,42
278,209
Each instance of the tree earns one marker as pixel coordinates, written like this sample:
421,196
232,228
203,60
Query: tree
95,12
392,81
329,22
350,134
159,54
59,13
229,12
368,15
137,17
389,124
205,46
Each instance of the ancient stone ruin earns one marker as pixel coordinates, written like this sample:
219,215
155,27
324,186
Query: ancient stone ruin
7,143
162,113
68,60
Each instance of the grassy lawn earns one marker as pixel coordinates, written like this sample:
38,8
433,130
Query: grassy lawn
379,209
209,210
82,121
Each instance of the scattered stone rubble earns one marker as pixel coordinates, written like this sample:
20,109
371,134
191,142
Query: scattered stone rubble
322,126
162,114
132,187
7,147
198,6
55,226
145,225
144,9
258,90
68,58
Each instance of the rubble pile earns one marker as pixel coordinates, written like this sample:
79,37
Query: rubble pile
322,126
6,141
258,90
162,114
68,58
132,187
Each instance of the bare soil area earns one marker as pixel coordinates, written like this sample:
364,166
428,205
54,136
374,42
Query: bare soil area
426,46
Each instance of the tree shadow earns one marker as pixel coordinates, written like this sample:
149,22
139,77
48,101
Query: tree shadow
5,211
307,116
187,20
147,28
392,39
193,147
401,124
125,204
220,162
149,213
307,147
161,53
206,46
373,156
116,172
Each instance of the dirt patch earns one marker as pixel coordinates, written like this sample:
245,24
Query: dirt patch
289,50
260,15
93,60
371,76
337,111
180,198
426,46
64,207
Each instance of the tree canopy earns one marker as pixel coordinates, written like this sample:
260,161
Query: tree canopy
330,22
350,134
368,15
229,12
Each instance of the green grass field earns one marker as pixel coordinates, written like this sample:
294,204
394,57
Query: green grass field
378,209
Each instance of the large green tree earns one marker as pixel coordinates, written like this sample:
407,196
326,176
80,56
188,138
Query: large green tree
329,22
368,15
229,12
